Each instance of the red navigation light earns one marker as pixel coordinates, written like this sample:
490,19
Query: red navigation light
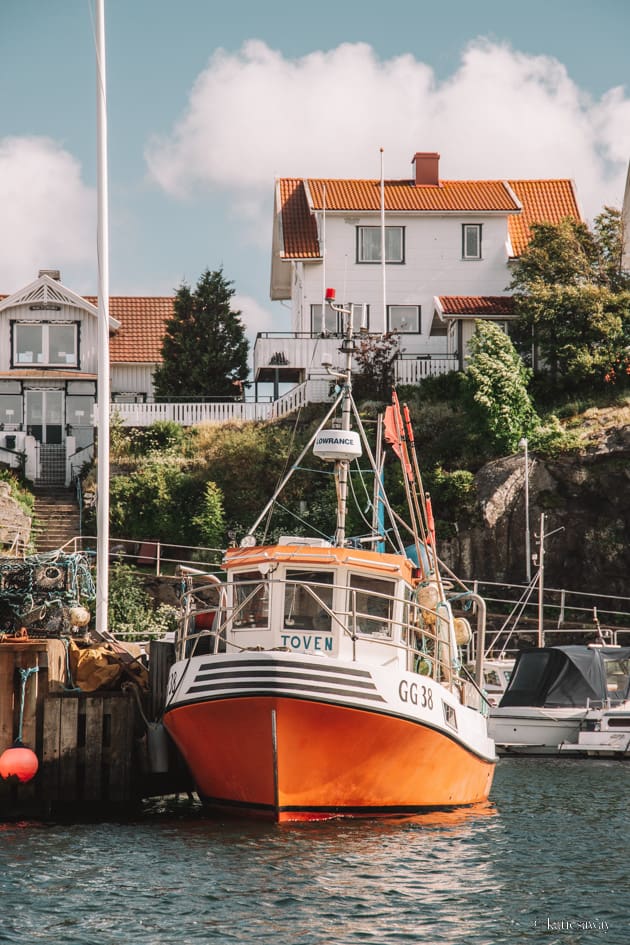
330,295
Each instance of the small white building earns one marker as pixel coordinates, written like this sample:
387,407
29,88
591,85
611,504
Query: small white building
448,249
48,370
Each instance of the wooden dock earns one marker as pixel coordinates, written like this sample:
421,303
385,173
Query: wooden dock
92,747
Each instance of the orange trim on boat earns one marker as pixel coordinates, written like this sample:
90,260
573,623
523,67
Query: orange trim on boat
309,554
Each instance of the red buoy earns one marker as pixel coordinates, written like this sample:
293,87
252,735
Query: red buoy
18,762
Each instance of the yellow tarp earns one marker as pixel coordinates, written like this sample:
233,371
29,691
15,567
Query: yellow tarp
103,667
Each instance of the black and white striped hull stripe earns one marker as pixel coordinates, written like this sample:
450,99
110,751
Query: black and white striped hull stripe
269,677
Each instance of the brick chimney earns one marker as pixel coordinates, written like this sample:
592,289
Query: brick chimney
427,168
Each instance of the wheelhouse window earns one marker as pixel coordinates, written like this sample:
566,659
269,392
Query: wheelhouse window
371,601
333,320
47,344
251,601
369,244
471,240
404,318
308,601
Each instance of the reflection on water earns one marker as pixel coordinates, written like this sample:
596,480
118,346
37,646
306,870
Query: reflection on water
550,848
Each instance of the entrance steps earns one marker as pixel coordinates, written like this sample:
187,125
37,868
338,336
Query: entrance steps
52,464
57,518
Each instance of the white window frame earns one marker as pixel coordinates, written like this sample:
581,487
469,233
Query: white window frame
471,228
45,344
415,311
369,251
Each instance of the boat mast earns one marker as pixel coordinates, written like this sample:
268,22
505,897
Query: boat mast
102,490
342,466
541,583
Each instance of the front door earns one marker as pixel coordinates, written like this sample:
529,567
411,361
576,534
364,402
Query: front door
44,415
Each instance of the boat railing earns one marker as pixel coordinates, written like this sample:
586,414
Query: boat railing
568,616
209,614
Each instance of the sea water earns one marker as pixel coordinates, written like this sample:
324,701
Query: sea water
547,860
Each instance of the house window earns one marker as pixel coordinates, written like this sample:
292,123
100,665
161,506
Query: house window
334,321
471,240
46,344
369,244
10,410
404,318
330,323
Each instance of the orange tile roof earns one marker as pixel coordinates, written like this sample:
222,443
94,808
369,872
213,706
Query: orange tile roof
481,306
541,200
404,195
142,326
544,201
299,228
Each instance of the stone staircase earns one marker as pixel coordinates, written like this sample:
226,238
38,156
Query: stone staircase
56,517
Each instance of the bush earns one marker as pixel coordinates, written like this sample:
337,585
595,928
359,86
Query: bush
496,383
210,522
131,613
157,501
163,436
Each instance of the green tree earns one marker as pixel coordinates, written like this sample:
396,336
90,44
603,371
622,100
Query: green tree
564,253
572,300
609,236
204,351
496,382
210,521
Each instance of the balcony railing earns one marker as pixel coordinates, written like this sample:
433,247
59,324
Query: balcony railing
302,351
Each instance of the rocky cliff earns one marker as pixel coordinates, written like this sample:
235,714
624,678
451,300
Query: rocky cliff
586,495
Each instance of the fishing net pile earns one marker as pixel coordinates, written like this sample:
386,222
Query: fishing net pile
46,595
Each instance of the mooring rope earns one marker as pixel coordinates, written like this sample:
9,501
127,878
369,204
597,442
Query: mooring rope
25,674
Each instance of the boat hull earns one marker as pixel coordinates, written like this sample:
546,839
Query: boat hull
287,758
532,730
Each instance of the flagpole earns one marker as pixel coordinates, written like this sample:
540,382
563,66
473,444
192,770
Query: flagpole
383,259
323,244
102,488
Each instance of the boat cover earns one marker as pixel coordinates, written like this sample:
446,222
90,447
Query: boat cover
563,676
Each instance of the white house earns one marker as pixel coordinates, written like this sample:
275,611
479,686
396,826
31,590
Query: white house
448,249
48,367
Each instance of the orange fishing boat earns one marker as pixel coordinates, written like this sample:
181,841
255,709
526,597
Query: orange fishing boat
321,678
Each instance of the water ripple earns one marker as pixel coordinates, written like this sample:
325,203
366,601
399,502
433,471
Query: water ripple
544,853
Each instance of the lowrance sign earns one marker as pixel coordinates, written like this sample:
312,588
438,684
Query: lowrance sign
337,444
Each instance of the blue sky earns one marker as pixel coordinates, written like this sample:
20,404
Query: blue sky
208,102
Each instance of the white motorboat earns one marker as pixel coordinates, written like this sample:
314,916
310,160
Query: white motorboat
553,693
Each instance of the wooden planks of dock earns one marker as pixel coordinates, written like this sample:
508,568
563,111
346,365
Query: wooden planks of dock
91,746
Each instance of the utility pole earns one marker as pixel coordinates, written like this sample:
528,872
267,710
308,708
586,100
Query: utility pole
528,554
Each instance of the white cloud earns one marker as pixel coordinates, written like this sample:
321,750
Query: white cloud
258,318
255,114
48,213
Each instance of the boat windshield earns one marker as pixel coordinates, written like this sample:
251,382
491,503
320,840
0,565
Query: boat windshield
308,600
617,678
251,600
371,599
